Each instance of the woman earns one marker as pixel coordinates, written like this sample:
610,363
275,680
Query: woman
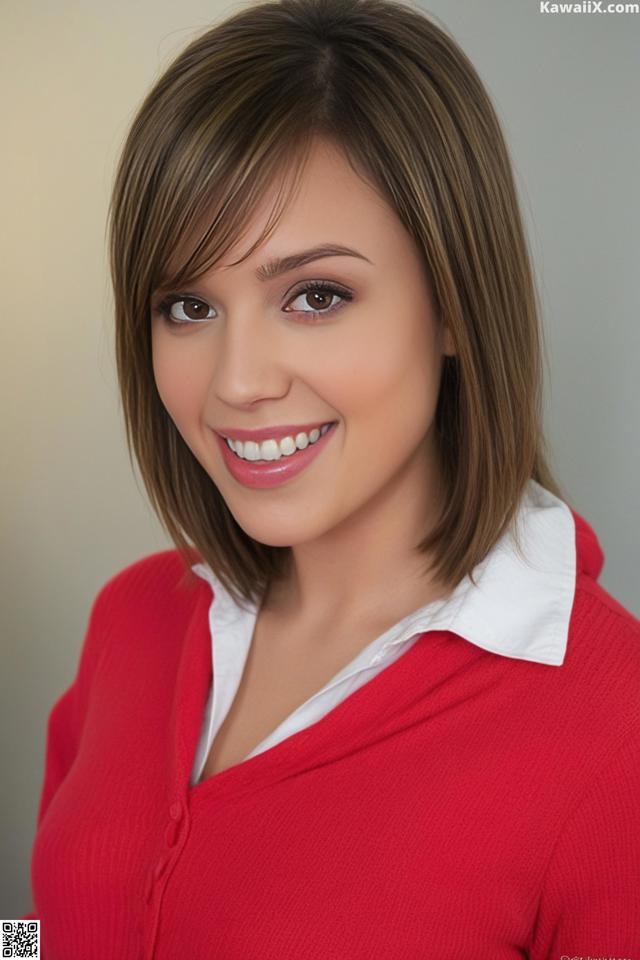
374,703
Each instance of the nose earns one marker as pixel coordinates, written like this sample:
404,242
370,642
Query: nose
250,361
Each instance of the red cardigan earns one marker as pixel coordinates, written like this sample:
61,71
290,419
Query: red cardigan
459,806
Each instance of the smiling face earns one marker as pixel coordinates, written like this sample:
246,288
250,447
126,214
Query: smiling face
364,348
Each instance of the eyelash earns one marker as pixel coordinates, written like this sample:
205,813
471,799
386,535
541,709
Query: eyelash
325,286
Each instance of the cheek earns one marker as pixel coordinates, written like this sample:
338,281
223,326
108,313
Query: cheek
178,380
382,378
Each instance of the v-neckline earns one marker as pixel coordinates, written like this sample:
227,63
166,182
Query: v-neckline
287,756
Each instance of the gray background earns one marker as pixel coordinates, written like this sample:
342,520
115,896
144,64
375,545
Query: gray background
73,512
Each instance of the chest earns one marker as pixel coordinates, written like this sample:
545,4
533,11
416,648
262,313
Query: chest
278,677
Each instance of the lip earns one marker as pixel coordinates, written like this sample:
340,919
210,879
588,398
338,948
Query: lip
270,433
272,473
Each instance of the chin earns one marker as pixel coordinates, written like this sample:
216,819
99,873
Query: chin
273,530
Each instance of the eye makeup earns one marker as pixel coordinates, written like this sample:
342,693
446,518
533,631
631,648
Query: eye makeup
164,307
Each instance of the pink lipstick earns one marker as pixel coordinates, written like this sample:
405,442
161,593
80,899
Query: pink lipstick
262,474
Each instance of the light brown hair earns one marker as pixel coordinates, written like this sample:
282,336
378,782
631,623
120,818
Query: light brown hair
235,110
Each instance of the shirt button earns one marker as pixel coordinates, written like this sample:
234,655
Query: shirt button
171,833
175,810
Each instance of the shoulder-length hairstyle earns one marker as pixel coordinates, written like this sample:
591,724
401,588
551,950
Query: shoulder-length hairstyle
237,108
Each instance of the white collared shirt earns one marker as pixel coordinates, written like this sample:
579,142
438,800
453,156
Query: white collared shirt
521,607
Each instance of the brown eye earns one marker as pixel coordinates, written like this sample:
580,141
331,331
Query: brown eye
183,310
318,295
193,310
319,301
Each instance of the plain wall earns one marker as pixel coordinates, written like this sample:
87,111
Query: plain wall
73,510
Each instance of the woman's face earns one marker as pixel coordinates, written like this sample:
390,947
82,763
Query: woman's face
254,355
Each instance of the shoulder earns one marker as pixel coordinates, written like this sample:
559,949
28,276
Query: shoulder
601,624
594,608
145,606
154,587
596,848
600,675
165,565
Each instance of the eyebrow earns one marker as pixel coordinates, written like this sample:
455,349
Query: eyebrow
279,265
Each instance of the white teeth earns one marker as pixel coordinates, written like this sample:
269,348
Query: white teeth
274,450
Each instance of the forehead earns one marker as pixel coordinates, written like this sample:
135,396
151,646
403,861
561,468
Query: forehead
320,202
317,199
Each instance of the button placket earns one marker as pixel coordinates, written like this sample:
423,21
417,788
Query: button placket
171,836
173,828
160,868
171,833
148,890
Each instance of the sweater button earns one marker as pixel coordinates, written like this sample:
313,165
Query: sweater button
175,810
148,890
171,833
160,868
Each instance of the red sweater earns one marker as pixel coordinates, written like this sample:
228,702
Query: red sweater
459,806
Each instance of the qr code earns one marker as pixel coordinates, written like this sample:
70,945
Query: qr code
21,938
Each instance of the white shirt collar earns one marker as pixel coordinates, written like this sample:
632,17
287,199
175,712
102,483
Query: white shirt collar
520,606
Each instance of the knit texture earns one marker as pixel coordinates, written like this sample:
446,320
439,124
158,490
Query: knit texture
459,806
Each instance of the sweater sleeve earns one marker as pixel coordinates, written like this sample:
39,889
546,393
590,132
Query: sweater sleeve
590,902
66,716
